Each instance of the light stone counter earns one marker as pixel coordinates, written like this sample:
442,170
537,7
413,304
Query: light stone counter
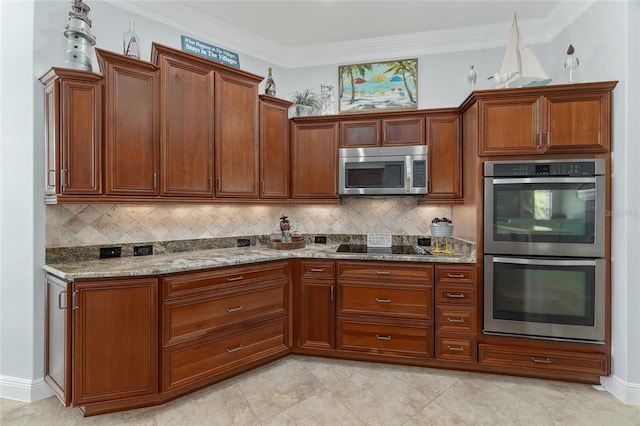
160,264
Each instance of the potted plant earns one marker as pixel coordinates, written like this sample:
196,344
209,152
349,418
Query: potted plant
305,103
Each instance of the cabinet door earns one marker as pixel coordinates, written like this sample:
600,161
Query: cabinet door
57,360
274,148
80,137
445,158
360,133
187,111
131,125
115,346
578,122
315,161
403,131
317,314
510,126
236,136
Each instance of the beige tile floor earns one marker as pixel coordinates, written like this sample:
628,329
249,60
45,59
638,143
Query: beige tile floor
314,391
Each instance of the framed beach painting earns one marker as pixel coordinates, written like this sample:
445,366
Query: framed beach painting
390,85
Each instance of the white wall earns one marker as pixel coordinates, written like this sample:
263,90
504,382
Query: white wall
607,43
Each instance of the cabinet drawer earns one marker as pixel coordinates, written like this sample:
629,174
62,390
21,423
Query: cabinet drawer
188,363
455,274
318,269
220,279
194,317
597,364
385,337
456,295
455,348
396,300
457,319
386,271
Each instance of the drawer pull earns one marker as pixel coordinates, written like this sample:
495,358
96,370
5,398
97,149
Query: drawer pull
541,361
383,337
455,295
236,309
236,349
455,275
455,348
383,300
232,279
456,320
383,272
317,269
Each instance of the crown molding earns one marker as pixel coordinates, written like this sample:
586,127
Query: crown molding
195,23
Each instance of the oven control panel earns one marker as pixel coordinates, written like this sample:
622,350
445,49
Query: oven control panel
544,168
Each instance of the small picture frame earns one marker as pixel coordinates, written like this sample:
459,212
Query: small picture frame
389,85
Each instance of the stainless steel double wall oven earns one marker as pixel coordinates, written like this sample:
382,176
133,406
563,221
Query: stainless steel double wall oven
544,248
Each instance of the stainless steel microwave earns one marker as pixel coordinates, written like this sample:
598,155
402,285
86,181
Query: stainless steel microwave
400,170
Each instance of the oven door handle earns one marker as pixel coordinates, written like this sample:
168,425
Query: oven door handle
543,262
537,180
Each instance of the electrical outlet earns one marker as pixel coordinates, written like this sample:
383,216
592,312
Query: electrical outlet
320,239
426,241
109,252
143,250
243,242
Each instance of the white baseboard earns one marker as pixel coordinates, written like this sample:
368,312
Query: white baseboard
629,393
24,389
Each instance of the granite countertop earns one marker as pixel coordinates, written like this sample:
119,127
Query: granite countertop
160,264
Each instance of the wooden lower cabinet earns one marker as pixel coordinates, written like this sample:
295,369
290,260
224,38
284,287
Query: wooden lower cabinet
57,345
316,308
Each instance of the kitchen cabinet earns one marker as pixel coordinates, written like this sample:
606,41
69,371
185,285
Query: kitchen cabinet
220,320
558,119
316,311
73,133
444,141
387,131
274,148
314,161
131,136
57,345
456,312
236,135
187,124
385,308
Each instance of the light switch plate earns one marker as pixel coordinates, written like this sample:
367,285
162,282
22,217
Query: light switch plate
378,240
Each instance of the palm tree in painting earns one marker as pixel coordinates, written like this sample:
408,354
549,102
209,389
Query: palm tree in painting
405,69
350,72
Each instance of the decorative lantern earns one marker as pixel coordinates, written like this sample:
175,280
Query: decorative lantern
80,40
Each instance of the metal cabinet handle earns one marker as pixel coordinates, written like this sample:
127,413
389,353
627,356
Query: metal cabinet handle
383,272
219,184
383,337
332,292
539,145
455,348
236,309
63,177
378,137
236,349
455,320
210,183
232,279
541,361
60,299
262,187
383,300
455,275
455,296
51,178
74,300
317,269
155,181
548,134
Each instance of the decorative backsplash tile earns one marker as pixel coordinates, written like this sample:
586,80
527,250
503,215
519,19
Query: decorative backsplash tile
71,225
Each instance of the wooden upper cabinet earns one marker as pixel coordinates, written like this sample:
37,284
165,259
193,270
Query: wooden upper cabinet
556,119
73,132
187,123
397,131
445,157
274,147
236,136
314,160
131,124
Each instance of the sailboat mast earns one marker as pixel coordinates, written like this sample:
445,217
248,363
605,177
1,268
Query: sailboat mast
518,48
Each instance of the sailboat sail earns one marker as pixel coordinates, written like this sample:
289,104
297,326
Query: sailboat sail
519,63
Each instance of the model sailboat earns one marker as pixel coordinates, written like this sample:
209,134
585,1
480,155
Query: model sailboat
520,66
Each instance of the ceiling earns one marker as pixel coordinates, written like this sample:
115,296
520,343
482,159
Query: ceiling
314,31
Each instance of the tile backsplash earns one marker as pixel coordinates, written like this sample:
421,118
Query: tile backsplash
71,225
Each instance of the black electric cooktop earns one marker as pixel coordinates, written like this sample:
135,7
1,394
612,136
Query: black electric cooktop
362,248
